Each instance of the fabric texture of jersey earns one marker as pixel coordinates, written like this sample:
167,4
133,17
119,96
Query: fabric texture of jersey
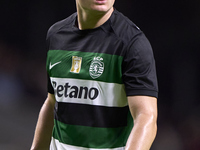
91,72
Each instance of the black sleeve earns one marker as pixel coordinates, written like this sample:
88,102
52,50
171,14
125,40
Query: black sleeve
49,85
139,71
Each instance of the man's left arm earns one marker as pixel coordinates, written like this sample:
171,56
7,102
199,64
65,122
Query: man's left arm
144,112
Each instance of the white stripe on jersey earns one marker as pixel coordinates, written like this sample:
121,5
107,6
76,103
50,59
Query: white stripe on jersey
109,94
56,145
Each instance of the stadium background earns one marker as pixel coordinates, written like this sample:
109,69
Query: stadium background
173,28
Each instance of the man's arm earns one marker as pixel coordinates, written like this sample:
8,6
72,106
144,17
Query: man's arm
144,113
43,132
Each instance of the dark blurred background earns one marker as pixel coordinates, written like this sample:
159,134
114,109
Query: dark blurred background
172,27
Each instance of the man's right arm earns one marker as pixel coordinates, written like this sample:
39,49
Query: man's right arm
44,127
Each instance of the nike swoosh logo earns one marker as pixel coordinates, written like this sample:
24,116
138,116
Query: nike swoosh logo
51,66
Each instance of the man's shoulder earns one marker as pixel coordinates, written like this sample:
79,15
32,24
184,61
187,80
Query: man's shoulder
123,27
62,23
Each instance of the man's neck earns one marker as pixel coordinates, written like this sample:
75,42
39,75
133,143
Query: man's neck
91,20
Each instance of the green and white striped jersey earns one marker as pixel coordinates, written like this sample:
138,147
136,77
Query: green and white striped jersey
91,72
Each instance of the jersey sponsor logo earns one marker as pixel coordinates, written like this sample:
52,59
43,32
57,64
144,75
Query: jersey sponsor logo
76,64
52,65
73,91
96,67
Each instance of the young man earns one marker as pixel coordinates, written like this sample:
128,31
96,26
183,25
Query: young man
102,83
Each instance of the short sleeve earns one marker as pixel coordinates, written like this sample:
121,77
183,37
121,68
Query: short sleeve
138,69
49,85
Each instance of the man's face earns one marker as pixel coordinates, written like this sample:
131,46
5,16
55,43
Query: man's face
95,5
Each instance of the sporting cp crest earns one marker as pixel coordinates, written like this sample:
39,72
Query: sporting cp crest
76,64
96,67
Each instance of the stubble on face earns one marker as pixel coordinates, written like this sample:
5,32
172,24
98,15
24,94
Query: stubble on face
95,5
93,13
